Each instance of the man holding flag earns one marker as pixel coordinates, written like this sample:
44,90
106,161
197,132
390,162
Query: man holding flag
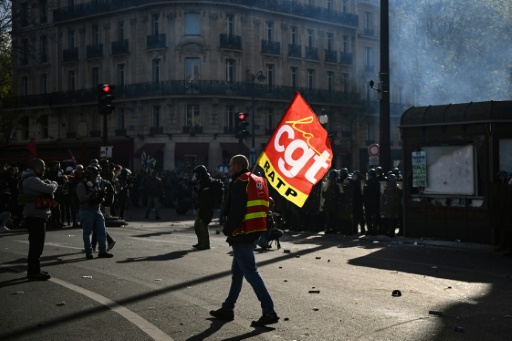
298,154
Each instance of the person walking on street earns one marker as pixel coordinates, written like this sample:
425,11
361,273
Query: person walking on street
205,202
91,193
246,211
155,193
37,197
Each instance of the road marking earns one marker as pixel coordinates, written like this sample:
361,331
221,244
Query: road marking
150,329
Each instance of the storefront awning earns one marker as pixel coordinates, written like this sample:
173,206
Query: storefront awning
150,149
191,149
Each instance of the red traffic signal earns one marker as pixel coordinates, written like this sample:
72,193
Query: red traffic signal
106,88
105,98
241,125
242,116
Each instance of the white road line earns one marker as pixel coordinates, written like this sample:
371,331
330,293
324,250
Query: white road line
151,330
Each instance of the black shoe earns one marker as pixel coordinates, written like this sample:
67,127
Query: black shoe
269,318
195,245
105,255
203,247
111,245
223,314
89,256
42,276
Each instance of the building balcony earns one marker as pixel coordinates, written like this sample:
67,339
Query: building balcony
93,8
120,47
270,47
331,56
230,41
346,58
94,51
156,41
192,130
369,32
311,53
70,55
156,130
95,133
294,51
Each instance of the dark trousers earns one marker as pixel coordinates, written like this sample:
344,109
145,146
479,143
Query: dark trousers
36,236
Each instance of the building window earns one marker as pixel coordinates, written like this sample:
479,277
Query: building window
230,71
24,86
330,40
311,79
192,24
43,49
43,8
345,44
270,120
330,81
294,77
120,75
121,124
43,121
270,76
155,73
95,76
370,132
120,30
156,117
192,69
43,88
311,38
270,31
71,39
95,35
345,6
368,21
71,80
192,116
329,5
230,25
368,58
24,51
400,95
293,35
345,79
155,24
230,118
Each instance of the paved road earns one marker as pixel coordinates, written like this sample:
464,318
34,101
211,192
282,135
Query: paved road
158,288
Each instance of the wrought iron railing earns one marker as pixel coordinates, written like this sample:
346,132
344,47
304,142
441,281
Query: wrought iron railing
174,88
270,47
331,56
156,41
70,55
295,8
94,51
311,53
294,51
230,41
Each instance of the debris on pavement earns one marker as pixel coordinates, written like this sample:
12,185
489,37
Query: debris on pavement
17,292
396,293
60,304
86,276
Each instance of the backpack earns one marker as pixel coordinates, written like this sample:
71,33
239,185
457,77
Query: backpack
217,189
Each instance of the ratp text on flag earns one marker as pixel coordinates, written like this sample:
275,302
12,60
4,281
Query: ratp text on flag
298,154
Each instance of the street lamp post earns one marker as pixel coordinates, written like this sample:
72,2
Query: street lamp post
260,77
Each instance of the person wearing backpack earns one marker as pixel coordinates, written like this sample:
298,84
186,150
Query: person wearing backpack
203,190
36,196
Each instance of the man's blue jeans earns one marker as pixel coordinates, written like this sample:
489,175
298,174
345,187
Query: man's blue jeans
93,220
244,265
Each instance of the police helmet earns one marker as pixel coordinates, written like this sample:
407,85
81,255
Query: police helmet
391,177
372,172
200,170
93,169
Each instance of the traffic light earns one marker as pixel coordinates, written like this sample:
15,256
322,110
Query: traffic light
241,125
105,97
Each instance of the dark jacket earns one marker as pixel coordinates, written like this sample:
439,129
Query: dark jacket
235,209
205,200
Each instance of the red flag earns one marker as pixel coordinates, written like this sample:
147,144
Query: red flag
32,148
298,154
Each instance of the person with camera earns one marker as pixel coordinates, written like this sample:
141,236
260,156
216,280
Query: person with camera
91,193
